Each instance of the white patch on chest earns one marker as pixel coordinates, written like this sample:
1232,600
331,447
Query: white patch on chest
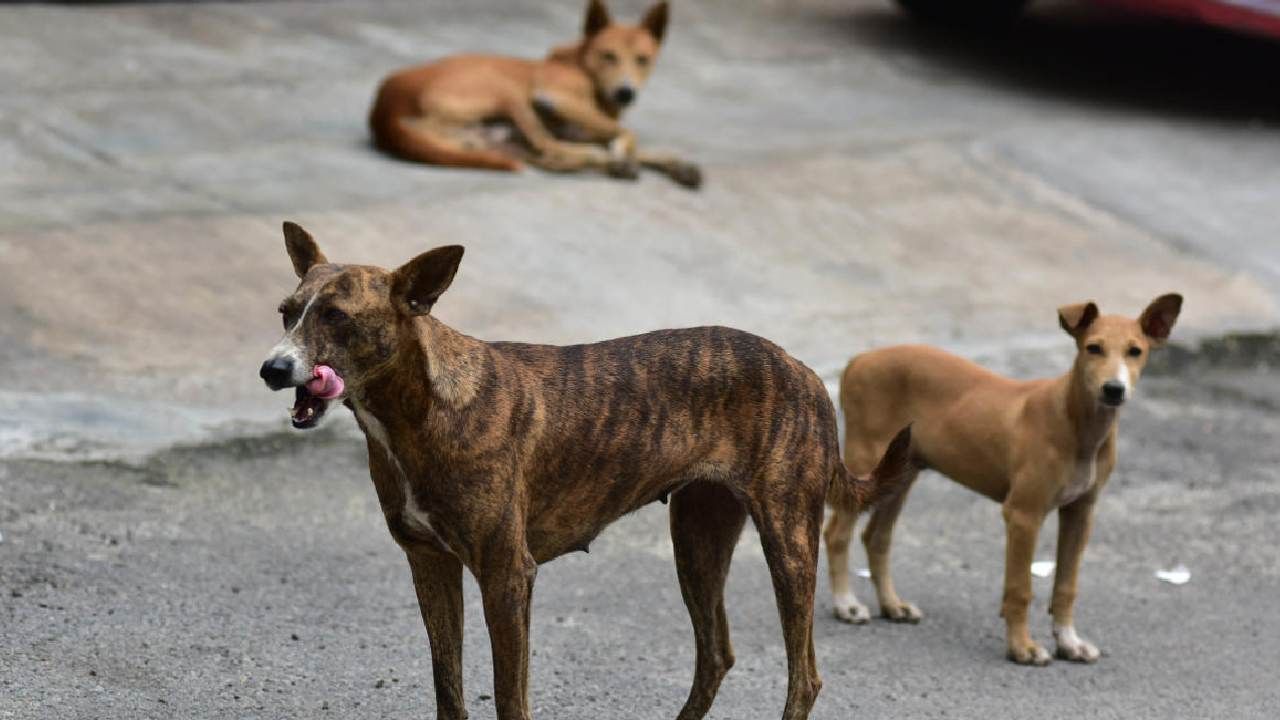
1081,481
414,516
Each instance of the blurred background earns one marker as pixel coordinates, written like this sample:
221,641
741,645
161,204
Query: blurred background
168,547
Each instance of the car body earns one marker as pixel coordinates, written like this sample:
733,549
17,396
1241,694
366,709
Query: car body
1254,16
1260,17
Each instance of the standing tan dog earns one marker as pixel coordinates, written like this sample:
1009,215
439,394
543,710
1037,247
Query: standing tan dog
564,110
496,457
1033,446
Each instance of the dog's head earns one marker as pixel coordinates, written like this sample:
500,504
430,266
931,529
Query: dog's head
344,322
619,57
1112,350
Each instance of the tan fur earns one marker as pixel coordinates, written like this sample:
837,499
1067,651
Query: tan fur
561,113
1034,446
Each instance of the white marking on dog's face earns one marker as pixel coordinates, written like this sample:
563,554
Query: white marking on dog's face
291,347
1122,376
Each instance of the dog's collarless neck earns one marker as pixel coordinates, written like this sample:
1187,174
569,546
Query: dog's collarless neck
1091,422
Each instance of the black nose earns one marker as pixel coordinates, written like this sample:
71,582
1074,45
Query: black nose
1113,392
624,95
277,372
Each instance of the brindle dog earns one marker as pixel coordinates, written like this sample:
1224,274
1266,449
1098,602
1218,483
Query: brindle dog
499,456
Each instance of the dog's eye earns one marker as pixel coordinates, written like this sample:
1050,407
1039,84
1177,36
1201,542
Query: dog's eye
642,60
1094,348
334,316
1135,351
284,314
610,57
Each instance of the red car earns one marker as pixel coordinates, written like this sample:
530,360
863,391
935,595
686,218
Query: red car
1255,16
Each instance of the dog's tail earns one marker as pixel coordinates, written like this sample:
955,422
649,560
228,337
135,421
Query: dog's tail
392,136
855,493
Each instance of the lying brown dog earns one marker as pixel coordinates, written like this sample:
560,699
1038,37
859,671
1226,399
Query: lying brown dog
496,112
496,457
1035,447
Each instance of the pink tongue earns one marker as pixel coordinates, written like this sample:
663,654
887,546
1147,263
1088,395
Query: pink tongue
326,384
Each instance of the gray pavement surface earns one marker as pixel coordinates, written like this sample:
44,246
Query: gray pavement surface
163,539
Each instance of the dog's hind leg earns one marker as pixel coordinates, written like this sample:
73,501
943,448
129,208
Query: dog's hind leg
876,538
437,578
789,526
433,141
706,520
837,536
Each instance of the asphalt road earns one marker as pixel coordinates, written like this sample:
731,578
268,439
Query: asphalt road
255,578
168,549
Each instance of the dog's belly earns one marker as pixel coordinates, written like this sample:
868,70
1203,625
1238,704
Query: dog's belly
573,524
576,512
972,462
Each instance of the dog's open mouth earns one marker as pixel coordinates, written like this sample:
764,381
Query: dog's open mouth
307,408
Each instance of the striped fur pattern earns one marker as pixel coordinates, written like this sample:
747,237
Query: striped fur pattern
498,456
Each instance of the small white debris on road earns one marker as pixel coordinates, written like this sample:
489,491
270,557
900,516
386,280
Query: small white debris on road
1178,575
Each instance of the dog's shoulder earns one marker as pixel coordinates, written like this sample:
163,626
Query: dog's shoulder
562,75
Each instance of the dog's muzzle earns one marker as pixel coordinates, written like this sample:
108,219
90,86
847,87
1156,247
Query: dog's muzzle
311,398
1113,393
277,372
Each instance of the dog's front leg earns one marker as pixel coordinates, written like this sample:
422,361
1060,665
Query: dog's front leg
599,127
506,587
1074,523
625,157
437,578
550,152
681,171
1022,527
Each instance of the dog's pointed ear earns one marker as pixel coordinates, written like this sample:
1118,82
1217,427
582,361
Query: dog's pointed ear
416,285
655,21
1075,319
303,250
1158,319
597,18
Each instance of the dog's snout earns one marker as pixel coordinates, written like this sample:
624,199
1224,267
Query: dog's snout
1113,392
277,372
624,95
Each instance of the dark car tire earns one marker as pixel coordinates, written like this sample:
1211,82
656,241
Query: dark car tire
970,13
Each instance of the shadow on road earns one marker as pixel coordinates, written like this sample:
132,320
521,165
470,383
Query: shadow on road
1100,57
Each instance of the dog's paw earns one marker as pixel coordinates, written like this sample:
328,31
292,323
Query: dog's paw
1073,647
687,175
903,612
1030,654
848,609
623,169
